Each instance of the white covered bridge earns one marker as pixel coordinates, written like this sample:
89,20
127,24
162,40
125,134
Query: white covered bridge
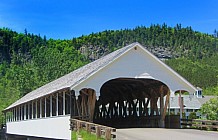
128,84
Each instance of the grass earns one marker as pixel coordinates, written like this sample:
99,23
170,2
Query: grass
73,135
84,135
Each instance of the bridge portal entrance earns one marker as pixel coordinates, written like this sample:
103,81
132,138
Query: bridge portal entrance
132,102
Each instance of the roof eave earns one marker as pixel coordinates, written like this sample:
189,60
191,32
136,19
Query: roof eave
14,104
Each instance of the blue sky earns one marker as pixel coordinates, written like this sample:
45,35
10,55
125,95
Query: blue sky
65,19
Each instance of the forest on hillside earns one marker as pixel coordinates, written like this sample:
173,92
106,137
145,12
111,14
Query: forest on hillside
28,61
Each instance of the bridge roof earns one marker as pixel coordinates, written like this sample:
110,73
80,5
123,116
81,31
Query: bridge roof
190,102
74,78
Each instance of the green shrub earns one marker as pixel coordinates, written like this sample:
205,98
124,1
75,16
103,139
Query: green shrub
192,115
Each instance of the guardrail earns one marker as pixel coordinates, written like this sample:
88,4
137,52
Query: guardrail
99,130
200,124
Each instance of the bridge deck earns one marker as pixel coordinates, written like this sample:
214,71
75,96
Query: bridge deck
165,134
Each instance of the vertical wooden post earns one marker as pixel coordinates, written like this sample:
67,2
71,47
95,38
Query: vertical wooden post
161,110
57,104
152,106
98,132
78,106
82,104
130,109
107,134
166,105
45,107
40,106
21,112
85,103
32,110
16,114
96,115
12,114
36,109
74,106
155,106
64,103
72,93
50,105
29,110
140,107
120,114
115,109
91,104
78,126
8,116
5,120
25,115
124,109
71,103
146,104
88,128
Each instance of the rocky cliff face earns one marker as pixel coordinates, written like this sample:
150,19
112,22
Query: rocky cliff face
93,52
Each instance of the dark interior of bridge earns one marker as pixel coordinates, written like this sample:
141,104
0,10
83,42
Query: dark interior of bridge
131,102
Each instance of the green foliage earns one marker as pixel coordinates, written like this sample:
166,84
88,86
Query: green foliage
73,135
211,91
201,73
28,62
192,115
210,109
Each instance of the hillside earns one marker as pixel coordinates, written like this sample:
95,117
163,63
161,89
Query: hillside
163,41
28,61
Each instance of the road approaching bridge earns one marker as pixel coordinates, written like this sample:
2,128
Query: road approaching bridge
165,134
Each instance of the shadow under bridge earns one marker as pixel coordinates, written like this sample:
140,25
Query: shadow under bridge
132,102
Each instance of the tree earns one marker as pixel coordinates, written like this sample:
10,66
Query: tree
25,32
192,115
210,109
215,33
